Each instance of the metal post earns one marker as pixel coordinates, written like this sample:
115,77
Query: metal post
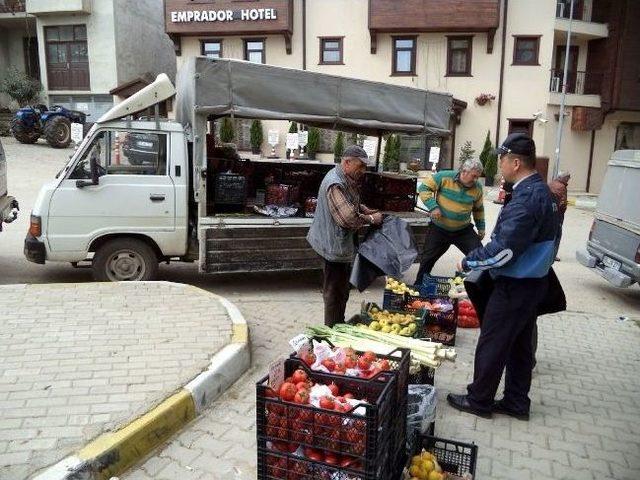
556,165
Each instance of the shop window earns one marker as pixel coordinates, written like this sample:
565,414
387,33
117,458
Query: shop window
525,50
211,48
628,136
459,56
254,50
67,57
331,51
404,55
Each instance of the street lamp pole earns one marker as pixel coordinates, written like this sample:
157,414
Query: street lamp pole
556,165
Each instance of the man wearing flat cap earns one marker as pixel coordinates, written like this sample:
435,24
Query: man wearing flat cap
518,258
333,233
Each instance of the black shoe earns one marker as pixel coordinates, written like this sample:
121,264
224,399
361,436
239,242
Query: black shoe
460,402
498,407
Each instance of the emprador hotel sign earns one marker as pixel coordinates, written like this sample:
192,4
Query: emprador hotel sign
245,14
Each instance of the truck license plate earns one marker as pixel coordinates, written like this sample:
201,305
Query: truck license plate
611,263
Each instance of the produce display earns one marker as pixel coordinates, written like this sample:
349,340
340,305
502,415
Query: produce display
467,316
424,466
457,289
395,323
399,288
438,305
429,354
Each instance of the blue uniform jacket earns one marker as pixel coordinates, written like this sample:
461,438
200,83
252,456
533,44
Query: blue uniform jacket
523,241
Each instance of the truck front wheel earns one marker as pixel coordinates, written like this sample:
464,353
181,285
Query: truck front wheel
125,260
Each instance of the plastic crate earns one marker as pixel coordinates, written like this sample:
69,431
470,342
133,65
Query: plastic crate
440,326
368,438
434,285
365,316
424,376
394,301
454,457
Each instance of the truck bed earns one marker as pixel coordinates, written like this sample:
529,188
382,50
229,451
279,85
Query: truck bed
234,244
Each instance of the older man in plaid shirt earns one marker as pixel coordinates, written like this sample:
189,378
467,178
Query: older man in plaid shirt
339,215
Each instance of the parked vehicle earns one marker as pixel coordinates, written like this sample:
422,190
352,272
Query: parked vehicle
127,208
30,123
613,248
8,205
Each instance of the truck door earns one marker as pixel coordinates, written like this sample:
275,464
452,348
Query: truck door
135,193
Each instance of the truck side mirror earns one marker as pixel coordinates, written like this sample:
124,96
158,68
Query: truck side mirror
95,174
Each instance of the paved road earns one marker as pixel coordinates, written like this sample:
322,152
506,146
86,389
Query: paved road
78,360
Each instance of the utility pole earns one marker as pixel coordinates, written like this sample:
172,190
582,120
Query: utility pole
556,165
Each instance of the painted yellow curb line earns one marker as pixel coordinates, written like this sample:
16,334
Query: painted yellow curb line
113,453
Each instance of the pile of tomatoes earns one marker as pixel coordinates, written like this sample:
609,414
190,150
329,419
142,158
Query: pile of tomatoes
366,365
467,316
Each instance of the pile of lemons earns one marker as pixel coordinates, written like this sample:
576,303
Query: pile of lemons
399,287
425,467
396,323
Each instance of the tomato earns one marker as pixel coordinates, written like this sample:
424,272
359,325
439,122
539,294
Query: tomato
288,391
299,376
351,362
384,365
370,356
270,393
331,458
340,368
334,389
313,454
327,402
309,358
364,363
342,407
302,397
347,461
348,396
329,364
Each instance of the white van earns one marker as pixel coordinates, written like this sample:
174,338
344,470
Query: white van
613,248
8,205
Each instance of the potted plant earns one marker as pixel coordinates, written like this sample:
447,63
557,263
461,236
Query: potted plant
257,136
226,131
391,158
313,143
486,152
338,147
484,98
21,88
293,128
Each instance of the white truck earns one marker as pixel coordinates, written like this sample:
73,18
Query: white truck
8,205
175,202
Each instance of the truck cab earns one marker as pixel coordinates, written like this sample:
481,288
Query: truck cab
129,210
8,204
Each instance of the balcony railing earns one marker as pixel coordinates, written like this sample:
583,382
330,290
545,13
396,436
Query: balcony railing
12,6
579,83
581,9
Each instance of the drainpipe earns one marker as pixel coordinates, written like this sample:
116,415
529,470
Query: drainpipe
504,41
304,34
556,164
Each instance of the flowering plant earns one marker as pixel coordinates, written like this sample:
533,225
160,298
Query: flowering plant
484,98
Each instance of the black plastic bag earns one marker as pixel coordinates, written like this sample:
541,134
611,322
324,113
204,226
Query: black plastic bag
387,250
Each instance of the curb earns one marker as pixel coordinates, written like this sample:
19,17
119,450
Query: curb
113,453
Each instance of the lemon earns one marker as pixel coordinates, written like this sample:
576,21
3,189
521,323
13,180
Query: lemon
435,476
374,326
416,460
427,466
386,329
415,471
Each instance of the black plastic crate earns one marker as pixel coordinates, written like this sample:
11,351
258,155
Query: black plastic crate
368,438
394,301
398,359
434,285
424,376
457,458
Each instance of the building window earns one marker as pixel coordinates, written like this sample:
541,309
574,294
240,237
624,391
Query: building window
404,55
254,50
525,50
211,48
67,57
331,52
459,56
628,136
521,125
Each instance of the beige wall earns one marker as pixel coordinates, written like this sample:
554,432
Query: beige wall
11,56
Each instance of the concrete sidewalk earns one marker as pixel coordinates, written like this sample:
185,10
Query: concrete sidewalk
585,404
81,361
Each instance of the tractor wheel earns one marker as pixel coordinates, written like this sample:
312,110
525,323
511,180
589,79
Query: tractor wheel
23,134
57,131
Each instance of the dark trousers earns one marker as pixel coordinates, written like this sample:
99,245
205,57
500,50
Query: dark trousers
438,242
335,291
505,343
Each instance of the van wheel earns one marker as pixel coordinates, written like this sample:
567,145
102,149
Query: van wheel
125,260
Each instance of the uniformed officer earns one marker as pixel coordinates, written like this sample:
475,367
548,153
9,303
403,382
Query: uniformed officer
518,258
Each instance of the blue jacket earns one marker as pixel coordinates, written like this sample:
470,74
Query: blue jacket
523,241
